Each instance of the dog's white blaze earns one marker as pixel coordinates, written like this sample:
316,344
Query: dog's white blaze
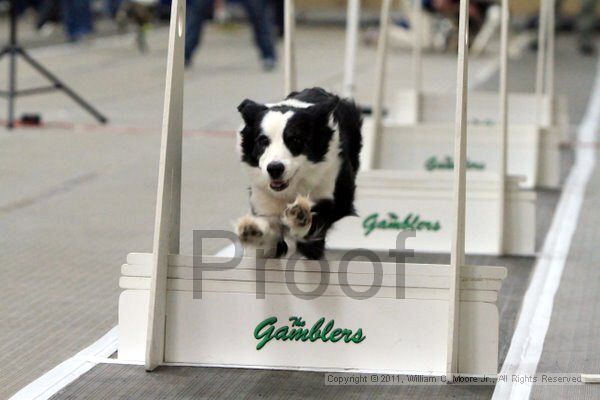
291,103
273,125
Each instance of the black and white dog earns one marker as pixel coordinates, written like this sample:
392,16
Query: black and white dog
301,156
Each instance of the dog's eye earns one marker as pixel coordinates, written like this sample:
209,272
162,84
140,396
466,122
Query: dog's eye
262,140
295,141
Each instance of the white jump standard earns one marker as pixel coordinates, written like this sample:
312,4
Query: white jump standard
406,179
541,116
445,323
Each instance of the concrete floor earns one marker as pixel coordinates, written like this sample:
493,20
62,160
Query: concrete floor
77,197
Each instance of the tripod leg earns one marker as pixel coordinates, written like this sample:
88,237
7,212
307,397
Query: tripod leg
12,87
60,85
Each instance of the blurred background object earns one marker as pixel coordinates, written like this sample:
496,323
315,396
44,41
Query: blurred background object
260,16
439,20
14,51
141,13
77,18
586,22
84,19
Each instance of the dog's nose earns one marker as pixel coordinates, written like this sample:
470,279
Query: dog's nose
275,169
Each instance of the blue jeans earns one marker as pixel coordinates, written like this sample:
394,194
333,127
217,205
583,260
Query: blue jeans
199,11
21,5
112,7
77,17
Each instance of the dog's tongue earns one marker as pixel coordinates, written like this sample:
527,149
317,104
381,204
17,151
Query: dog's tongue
277,184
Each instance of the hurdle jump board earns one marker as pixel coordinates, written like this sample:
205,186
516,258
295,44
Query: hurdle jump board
390,201
397,335
432,107
429,147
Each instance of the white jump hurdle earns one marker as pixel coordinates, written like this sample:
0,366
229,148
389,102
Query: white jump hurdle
223,328
389,202
406,183
428,148
542,114
444,323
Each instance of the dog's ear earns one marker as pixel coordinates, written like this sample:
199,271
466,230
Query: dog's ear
250,110
292,94
321,111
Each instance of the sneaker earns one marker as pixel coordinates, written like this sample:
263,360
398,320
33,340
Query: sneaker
587,48
269,64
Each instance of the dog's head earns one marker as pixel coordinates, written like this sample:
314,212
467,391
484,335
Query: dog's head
281,143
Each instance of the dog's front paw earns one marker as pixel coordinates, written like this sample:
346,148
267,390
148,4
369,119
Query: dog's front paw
251,231
256,233
298,216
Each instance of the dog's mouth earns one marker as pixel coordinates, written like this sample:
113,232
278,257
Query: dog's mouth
278,185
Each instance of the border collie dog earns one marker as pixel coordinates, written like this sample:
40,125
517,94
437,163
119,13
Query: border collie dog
301,156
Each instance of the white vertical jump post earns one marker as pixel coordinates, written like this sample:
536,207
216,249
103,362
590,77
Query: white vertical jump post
551,30
168,202
541,59
352,27
373,141
291,78
457,255
417,64
544,82
503,89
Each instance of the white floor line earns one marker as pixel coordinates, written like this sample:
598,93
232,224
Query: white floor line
528,340
107,360
66,372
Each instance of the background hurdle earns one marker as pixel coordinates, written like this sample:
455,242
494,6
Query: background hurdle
522,213
549,116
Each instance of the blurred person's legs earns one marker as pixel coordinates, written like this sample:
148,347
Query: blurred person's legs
112,7
198,11
260,16
77,16
49,11
22,5
138,12
586,22
163,10
278,16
